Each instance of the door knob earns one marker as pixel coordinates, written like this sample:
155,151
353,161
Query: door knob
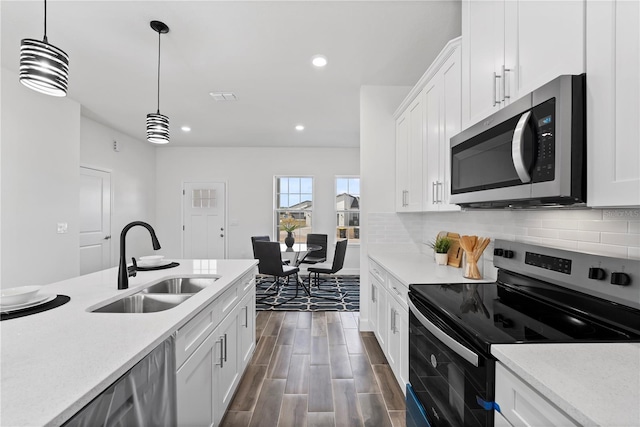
107,237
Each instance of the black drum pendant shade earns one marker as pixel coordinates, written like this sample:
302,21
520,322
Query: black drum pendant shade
158,124
43,66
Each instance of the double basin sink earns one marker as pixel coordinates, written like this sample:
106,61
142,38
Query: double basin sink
159,296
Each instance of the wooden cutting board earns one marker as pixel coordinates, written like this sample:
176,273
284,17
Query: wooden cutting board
455,251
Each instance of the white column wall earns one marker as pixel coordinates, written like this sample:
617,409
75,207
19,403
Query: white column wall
378,172
133,182
249,174
40,185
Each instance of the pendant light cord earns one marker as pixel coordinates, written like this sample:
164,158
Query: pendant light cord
45,22
158,72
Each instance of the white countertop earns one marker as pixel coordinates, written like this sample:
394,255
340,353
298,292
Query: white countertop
410,268
595,384
55,362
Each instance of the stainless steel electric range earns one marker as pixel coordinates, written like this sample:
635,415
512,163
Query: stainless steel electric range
542,295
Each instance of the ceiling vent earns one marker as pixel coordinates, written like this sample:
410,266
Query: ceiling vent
223,96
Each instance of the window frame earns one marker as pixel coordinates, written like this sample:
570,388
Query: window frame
276,210
346,211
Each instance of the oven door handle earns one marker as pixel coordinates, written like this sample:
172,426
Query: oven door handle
517,148
454,345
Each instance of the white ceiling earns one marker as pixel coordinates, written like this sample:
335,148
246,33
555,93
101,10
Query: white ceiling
259,50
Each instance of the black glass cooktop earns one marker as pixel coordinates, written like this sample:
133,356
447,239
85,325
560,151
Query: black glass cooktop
518,309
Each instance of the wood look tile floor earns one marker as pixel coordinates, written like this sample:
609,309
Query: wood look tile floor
315,369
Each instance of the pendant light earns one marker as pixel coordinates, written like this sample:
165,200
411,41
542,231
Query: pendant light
43,66
158,124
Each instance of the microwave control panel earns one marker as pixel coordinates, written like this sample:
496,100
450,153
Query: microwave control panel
543,122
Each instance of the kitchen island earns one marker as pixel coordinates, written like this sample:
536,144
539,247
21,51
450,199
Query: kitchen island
55,362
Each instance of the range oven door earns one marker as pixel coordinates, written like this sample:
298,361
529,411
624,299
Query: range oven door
453,381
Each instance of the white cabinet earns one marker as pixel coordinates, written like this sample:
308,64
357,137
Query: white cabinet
426,119
510,48
442,104
194,385
227,365
212,351
389,319
613,103
247,327
523,406
409,142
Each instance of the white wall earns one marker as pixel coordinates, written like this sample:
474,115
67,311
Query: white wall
377,167
249,174
133,182
40,185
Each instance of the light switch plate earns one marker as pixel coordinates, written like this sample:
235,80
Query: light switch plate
62,227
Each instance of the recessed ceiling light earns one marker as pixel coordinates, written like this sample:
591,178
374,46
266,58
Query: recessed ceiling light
186,129
319,60
299,127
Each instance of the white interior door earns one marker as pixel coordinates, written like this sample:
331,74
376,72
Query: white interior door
204,210
95,220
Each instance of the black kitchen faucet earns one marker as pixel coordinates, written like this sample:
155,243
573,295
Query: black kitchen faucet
123,271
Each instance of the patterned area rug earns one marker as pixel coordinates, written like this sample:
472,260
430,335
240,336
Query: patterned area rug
348,285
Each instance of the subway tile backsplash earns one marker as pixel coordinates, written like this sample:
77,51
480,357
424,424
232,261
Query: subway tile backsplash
609,232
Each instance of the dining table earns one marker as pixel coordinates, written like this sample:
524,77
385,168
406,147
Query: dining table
297,252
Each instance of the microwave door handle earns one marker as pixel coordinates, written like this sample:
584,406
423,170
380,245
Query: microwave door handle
454,345
517,148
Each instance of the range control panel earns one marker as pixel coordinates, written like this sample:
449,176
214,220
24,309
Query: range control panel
615,279
561,265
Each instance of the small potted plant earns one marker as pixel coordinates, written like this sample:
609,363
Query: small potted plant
441,248
289,224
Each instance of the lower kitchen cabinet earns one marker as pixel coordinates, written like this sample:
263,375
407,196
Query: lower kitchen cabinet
389,319
208,378
521,406
247,327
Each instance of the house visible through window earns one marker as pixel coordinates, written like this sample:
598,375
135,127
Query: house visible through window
294,200
348,208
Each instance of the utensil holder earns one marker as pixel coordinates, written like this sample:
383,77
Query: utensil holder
471,270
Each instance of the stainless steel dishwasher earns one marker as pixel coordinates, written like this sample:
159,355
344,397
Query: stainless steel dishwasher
144,396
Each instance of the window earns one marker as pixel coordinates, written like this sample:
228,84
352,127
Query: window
294,200
348,208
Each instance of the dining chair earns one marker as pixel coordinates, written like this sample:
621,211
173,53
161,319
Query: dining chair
270,263
255,239
336,265
320,255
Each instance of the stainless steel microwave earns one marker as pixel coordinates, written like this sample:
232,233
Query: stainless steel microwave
531,153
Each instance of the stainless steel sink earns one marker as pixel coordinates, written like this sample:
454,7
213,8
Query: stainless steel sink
143,303
180,285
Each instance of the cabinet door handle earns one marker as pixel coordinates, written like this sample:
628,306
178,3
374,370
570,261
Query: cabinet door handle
221,364
495,88
373,294
225,347
246,316
504,83
440,187
434,195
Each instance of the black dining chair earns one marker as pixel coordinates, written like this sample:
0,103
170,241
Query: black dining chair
336,265
270,263
255,239
320,255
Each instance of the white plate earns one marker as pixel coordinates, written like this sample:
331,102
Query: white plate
40,299
19,295
154,264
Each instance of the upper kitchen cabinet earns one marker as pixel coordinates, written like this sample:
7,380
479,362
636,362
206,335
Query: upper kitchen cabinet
442,101
510,48
409,142
613,103
425,121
